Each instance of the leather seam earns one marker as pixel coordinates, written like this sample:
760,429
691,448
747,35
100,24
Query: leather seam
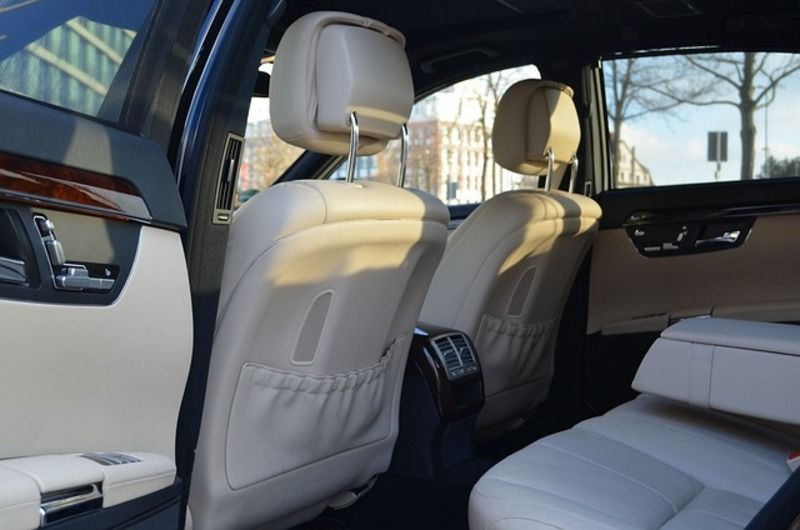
683,432
531,519
138,480
392,433
712,514
490,253
547,494
672,505
34,502
224,309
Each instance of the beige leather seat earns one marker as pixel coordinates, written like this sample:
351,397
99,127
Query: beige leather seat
704,446
508,268
322,288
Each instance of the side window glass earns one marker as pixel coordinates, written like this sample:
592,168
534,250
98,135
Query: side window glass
266,157
67,53
450,151
697,118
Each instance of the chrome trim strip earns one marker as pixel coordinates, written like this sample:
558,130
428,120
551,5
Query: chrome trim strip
55,502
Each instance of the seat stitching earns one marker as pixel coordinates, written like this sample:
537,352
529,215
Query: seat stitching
712,514
529,519
619,473
703,486
706,440
548,494
698,484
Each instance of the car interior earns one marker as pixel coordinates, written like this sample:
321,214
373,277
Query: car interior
347,265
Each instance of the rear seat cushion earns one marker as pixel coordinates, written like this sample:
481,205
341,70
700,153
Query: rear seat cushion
651,463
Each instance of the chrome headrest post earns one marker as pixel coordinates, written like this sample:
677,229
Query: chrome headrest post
401,172
573,172
551,160
352,155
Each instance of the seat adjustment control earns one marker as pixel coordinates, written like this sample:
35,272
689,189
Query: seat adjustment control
67,276
55,252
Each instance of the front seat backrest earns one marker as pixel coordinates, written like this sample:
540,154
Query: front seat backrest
322,288
509,266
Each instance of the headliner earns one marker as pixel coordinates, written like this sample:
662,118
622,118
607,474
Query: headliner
453,38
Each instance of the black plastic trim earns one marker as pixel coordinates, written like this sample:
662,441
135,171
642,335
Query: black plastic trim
782,509
158,510
214,102
619,205
459,212
123,237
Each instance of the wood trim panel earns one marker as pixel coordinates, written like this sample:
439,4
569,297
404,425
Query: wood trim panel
65,188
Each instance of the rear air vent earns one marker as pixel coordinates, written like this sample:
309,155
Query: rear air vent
226,183
464,350
668,8
448,353
456,354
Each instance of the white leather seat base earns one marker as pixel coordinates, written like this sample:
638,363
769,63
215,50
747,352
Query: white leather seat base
650,463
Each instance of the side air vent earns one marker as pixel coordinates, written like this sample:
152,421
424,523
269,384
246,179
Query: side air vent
456,354
226,180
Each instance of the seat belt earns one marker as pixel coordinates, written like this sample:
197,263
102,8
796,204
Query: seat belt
782,511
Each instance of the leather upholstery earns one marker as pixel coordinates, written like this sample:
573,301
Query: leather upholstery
651,463
749,368
532,116
330,64
321,291
302,399
121,381
504,280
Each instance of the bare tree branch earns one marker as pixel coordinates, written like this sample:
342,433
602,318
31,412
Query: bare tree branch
697,64
775,81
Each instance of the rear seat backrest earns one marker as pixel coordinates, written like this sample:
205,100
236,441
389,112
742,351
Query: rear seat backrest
742,367
668,462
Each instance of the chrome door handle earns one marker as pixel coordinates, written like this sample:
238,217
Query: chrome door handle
13,271
728,238
76,278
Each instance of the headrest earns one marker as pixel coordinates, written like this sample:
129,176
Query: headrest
533,115
330,64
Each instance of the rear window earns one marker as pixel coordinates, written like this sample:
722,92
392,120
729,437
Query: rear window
705,117
67,53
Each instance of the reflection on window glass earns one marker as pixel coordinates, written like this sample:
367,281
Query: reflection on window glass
686,119
450,151
66,53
